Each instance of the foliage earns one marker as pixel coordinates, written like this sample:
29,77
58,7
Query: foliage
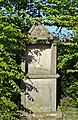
11,38
15,21
16,18
9,90
70,113
68,69
61,13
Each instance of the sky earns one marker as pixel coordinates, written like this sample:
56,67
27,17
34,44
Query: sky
64,31
51,28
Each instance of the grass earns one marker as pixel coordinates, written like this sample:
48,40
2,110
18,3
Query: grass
70,113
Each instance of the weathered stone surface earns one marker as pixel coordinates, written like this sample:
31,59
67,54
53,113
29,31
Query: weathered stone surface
39,59
40,32
44,95
39,91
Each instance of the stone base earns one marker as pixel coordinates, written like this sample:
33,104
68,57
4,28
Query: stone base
46,116
40,94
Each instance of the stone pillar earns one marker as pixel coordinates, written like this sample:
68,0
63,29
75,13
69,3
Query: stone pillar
39,90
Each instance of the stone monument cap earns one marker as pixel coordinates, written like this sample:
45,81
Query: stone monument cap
39,32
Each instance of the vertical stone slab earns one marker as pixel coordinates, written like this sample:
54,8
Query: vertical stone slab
44,99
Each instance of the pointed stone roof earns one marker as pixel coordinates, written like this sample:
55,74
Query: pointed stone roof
40,32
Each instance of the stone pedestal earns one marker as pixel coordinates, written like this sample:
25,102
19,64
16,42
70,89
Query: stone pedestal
39,91
42,94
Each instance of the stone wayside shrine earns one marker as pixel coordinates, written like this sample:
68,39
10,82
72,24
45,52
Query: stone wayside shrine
39,91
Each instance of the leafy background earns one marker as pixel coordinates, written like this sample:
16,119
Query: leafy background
16,18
